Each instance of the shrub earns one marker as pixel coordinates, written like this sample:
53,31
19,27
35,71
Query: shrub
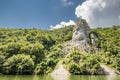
19,64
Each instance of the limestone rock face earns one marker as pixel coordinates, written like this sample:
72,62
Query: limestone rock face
82,39
81,34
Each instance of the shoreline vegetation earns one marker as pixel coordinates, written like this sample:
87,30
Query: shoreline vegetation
36,51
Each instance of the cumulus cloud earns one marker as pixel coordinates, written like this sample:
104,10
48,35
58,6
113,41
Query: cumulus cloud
67,3
62,24
100,13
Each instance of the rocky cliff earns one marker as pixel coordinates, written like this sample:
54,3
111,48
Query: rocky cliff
82,38
81,33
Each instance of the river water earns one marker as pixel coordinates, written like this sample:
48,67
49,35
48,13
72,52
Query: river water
56,77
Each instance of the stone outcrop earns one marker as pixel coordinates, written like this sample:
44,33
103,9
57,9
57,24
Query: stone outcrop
81,33
82,38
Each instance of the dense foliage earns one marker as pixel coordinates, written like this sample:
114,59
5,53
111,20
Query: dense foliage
82,63
35,51
109,45
20,64
31,51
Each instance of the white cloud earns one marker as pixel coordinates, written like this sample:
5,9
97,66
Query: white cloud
100,12
67,3
62,24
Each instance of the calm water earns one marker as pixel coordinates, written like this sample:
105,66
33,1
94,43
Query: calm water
45,77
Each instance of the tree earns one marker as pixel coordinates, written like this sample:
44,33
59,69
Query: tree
19,64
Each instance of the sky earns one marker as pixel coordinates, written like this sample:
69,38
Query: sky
53,14
36,13
100,13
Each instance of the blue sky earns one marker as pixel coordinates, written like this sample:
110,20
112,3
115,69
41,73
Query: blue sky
36,13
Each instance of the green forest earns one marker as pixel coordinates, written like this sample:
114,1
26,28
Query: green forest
36,51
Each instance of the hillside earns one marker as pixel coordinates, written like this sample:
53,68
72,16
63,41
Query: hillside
35,51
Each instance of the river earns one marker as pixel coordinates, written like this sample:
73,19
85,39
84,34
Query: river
71,77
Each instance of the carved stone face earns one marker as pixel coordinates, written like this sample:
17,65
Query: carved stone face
78,36
81,31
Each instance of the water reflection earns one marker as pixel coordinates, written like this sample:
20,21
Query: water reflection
60,77
35,77
86,77
94,77
111,77
16,78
